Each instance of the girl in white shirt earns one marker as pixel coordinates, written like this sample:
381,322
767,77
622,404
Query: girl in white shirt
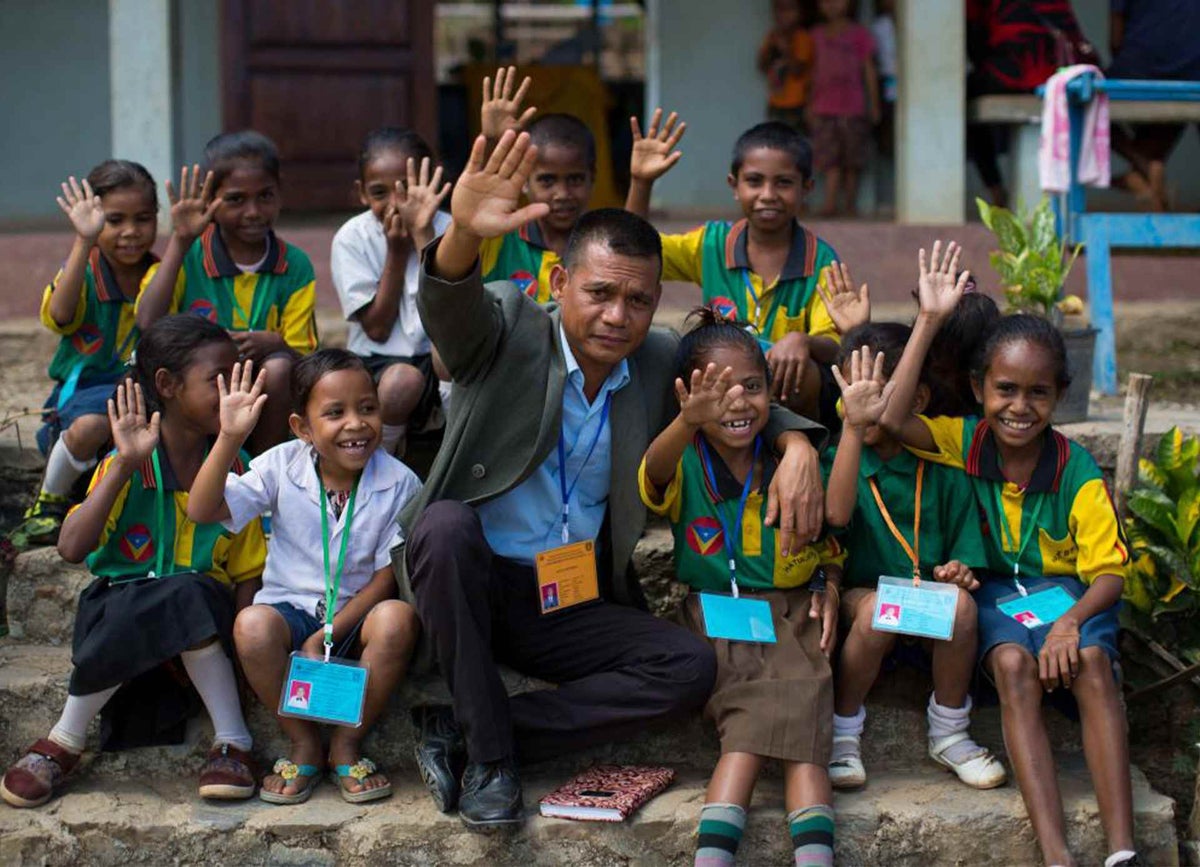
331,482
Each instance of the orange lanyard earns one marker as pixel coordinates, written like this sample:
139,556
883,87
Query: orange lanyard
913,550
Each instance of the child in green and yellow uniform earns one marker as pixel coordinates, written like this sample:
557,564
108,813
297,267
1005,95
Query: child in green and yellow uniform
767,269
165,587
707,472
90,304
903,516
225,264
1048,612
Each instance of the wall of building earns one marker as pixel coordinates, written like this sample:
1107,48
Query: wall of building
198,90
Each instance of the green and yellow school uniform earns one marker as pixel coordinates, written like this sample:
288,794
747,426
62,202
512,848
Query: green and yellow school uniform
279,296
690,503
714,256
1077,531
134,530
950,523
522,257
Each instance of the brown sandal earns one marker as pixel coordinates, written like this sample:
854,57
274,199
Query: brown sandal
228,774
37,775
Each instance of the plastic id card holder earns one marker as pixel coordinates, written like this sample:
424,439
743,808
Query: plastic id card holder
925,610
738,619
1040,608
327,692
566,576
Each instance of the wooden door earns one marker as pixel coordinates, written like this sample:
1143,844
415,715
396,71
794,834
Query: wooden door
317,75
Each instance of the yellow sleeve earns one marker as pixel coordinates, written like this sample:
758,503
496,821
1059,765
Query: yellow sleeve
947,433
820,323
176,294
830,552
1097,533
683,256
118,506
80,308
298,325
668,503
489,255
247,553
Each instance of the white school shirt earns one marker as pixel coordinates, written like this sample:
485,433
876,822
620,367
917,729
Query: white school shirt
356,259
284,480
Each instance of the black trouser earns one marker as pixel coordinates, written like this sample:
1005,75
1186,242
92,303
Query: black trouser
617,667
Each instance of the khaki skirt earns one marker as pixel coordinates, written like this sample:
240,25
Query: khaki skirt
773,700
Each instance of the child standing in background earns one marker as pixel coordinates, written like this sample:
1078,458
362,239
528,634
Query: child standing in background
375,259
785,58
225,263
844,103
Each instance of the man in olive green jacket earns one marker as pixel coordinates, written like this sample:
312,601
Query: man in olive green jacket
587,386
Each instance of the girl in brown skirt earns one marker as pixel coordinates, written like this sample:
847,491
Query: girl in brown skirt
770,612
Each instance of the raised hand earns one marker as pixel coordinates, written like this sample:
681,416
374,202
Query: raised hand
417,201
710,396
486,196
654,155
193,208
242,401
848,309
393,225
500,108
865,396
134,436
940,286
82,208
958,573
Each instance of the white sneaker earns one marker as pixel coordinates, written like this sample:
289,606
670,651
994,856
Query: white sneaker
847,771
980,770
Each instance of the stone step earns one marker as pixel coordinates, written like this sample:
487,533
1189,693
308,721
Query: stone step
43,592
901,818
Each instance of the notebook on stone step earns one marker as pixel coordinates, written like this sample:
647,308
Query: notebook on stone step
606,793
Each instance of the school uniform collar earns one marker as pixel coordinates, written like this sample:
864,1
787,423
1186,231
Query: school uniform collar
728,487
105,279
802,257
170,480
983,459
218,262
531,233
381,473
871,464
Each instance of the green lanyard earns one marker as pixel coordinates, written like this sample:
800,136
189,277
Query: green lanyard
258,305
333,580
160,504
1030,528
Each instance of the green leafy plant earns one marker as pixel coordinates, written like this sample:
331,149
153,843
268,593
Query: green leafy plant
1032,262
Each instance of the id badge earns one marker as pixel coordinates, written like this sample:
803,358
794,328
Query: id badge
327,692
738,619
1040,608
925,610
566,576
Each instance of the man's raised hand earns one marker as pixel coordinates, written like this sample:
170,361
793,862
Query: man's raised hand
486,196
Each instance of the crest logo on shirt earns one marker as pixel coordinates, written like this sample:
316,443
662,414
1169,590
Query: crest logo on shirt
705,537
137,544
525,281
724,307
204,308
87,340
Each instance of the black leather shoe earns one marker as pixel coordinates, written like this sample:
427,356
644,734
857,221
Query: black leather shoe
491,796
441,754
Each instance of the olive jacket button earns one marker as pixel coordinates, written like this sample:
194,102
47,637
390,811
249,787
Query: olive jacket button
478,471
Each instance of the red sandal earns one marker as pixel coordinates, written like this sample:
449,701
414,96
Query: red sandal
37,775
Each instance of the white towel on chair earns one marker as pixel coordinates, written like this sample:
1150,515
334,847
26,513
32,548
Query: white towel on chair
1054,150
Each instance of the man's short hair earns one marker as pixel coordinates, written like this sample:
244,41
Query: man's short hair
619,231
565,130
775,136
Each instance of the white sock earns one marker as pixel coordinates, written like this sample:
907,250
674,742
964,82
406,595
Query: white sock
211,673
1118,858
71,729
392,434
63,469
946,721
847,726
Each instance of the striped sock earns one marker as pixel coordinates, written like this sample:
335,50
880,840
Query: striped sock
812,835
720,832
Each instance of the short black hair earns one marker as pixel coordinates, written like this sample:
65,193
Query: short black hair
948,366
385,138
120,174
169,344
226,149
618,230
777,137
565,130
311,368
1030,329
712,331
890,338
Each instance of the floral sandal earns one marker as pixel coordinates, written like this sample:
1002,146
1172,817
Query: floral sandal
37,775
289,770
359,771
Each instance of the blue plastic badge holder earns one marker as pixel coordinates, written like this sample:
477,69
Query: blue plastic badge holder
326,692
737,619
1040,608
925,610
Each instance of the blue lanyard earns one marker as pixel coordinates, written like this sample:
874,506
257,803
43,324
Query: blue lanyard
731,539
562,467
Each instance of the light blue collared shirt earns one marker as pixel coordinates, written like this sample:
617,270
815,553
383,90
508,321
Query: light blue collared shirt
528,519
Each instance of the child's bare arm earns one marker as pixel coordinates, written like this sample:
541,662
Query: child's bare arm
653,156
243,593
710,395
241,405
1058,661
86,214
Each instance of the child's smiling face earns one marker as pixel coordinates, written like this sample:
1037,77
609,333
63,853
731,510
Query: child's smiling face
249,207
1019,393
130,225
747,416
377,187
341,422
563,180
770,189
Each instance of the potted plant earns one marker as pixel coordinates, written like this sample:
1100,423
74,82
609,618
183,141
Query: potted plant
1033,264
